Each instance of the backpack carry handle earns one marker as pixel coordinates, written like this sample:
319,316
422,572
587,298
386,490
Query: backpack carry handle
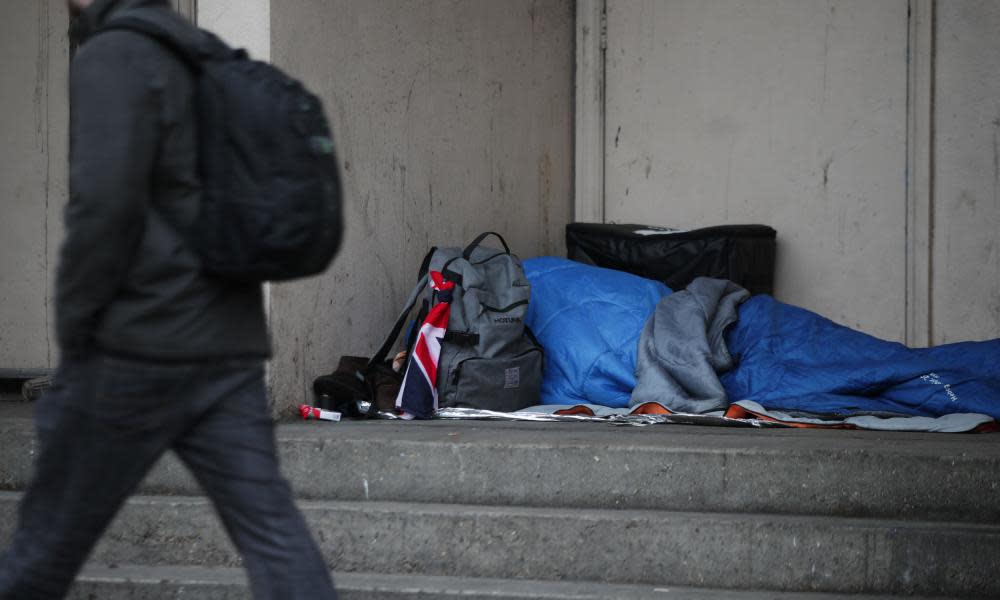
467,253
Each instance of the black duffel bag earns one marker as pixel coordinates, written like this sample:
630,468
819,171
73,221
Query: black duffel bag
743,254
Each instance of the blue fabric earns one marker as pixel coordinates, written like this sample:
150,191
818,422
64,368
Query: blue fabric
793,359
589,321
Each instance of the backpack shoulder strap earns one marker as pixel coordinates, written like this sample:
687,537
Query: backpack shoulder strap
383,351
189,56
411,301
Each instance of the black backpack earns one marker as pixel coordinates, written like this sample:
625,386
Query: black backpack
271,207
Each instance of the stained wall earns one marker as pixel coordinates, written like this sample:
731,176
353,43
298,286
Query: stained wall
451,117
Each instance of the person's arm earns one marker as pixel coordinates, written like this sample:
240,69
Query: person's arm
113,143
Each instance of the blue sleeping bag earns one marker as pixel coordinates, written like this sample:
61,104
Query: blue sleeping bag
793,359
589,321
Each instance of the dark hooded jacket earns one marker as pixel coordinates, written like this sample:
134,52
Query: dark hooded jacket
127,282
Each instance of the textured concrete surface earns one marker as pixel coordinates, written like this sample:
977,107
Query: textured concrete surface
11,401
33,174
674,467
743,551
965,241
795,113
661,506
240,23
788,113
451,117
196,583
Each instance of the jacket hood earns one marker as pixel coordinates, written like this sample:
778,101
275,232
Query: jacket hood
100,11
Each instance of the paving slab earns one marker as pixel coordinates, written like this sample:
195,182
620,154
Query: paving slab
724,550
948,477
198,583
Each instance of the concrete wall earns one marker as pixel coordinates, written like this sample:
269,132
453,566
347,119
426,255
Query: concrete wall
33,129
879,172
241,23
451,117
965,238
34,102
790,113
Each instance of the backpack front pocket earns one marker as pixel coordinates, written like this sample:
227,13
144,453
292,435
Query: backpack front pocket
497,318
503,384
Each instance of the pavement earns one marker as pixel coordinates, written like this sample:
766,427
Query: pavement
475,507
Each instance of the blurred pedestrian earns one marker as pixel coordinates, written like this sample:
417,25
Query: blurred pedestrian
155,354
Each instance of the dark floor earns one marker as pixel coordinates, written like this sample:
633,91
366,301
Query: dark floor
12,407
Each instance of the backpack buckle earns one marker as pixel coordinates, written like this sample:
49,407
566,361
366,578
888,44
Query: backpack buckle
465,338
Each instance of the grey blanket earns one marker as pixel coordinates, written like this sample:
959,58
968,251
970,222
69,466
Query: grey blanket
683,351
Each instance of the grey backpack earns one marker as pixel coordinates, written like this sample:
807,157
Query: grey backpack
488,358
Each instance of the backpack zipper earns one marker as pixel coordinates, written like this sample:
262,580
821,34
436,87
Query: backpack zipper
504,309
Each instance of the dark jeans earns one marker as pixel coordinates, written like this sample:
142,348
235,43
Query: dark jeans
103,425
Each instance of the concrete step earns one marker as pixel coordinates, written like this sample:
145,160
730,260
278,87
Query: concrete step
948,477
724,550
199,583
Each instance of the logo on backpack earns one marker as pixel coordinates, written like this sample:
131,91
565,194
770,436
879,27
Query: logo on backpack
512,378
506,320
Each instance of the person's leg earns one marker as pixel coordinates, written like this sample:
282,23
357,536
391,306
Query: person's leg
100,427
231,451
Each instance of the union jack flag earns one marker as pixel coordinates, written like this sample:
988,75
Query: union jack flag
418,396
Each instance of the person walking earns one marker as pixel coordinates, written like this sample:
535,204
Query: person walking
155,354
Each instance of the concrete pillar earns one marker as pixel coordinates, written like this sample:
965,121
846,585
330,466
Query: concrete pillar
33,178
